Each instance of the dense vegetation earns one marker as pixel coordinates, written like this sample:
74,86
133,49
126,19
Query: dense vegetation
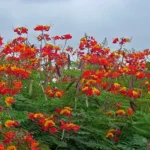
59,98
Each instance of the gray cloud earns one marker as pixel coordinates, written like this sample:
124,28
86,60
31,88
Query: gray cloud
100,18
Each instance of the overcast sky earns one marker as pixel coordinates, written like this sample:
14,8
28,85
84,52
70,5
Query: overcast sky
99,18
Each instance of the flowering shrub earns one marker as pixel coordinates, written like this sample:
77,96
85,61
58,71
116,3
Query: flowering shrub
48,123
27,74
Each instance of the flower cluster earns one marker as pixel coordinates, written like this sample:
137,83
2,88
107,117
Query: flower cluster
65,111
42,28
99,67
90,80
116,88
14,141
121,41
113,134
69,126
32,143
11,123
21,30
54,123
55,92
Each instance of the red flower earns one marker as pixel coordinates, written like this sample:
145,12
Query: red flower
1,108
42,28
40,38
103,61
58,110
47,38
109,113
21,30
90,91
31,116
66,111
148,75
11,123
140,75
70,49
66,37
38,28
56,37
116,139
69,126
33,143
134,94
130,111
115,40
17,84
122,41
1,43
19,39
46,28
24,30
118,132
120,112
109,135
2,147
49,123
53,130
9,136
54,92
9,101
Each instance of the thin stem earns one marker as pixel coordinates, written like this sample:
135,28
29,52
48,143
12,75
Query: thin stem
43,92
63,133
86,101
75,102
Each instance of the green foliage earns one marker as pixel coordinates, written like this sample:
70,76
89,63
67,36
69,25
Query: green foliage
74,73
93,119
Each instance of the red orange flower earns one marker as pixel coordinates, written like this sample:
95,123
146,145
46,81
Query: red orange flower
69,126
1,108
9,101
33,144
54,92
17,84
133,93
21,30
130,111
66,111
1,43
115,40
53,130
33,116
140,75
90,91
66,37
9,136
2,147
49,123
109,135
120,112
103,61
12,147
11,123
42,28
113,133
109,113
